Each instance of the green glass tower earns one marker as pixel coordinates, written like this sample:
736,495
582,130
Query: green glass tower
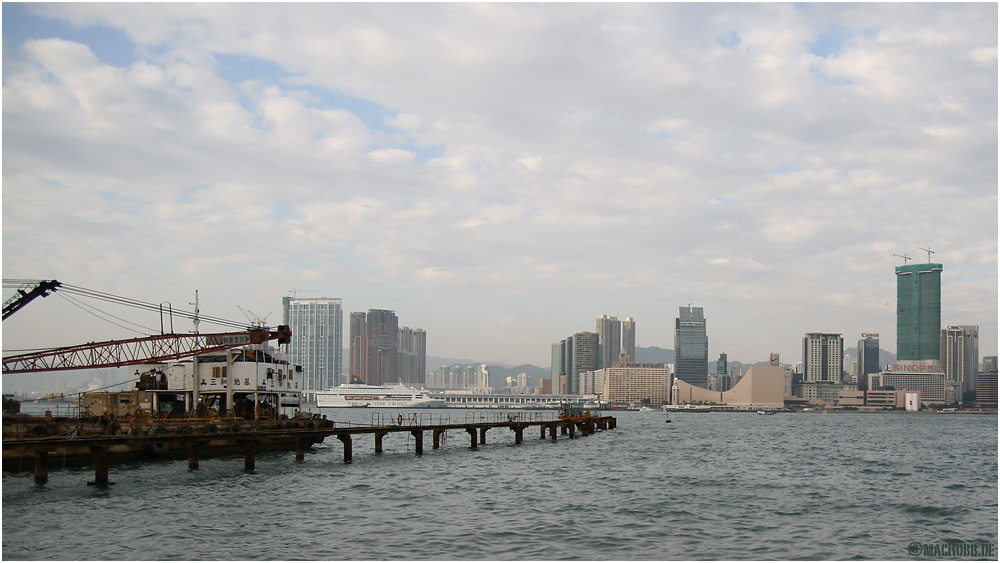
918,312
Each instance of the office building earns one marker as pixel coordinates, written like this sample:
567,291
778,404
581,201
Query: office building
628,339
723,379
317,340
868,355
986,384
868,359
691,347
960,354
933,387
918,313
822,357
609,331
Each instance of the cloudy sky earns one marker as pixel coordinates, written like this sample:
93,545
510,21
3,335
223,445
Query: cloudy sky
502,174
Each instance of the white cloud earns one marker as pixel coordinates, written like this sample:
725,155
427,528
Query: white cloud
543,164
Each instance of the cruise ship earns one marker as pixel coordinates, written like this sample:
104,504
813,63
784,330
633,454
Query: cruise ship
376,396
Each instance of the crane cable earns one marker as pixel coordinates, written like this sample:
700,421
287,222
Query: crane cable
134,303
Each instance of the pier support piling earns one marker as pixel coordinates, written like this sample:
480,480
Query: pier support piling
482,435
437,437
193,455
300,449
518,433
378,441
346,439
100,465
41,467
418,436
552,432
249,455
472,434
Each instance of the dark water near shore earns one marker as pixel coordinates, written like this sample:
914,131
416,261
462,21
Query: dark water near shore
707,486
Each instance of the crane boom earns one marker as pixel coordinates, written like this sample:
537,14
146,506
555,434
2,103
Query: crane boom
116,353
23,297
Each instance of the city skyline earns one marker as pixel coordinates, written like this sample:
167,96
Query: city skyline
502,174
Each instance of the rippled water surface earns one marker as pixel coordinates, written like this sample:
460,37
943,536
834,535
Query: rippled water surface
707,486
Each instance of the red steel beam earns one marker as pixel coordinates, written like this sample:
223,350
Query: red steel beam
116,353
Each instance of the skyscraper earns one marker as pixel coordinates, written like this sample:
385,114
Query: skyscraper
375,347
960,354
586,357
609,331
918,313
722,373
822,357
358,349
412,356
317,339
868,355
691,347
628,339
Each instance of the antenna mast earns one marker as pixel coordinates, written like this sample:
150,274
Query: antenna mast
196,319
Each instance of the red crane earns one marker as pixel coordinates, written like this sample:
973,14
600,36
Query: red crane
116,353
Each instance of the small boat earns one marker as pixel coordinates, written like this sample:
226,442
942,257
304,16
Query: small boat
765,412
645,408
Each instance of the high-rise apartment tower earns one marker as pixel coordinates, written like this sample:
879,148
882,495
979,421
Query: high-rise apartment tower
317,339
960,354
609,331
375,347
628,339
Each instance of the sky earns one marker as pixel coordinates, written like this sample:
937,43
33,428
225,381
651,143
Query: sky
500,175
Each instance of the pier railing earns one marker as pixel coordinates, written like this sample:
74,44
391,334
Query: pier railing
431,418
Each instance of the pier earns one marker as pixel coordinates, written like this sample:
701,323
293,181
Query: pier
185,440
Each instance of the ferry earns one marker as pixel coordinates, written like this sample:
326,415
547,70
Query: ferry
361,395
687,408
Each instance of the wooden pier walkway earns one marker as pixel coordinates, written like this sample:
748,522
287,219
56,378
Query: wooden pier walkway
36,451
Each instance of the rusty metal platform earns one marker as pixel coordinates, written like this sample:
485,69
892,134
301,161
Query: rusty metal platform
35,452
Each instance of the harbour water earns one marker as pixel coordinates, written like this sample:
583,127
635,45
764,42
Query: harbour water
704,487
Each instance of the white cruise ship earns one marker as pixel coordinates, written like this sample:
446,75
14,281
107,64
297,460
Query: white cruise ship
361,395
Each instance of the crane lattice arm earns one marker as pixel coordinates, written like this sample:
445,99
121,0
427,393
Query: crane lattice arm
25,296
116,353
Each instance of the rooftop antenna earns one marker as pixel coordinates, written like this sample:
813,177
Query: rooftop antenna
196,319
904,257
295,292
928,251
